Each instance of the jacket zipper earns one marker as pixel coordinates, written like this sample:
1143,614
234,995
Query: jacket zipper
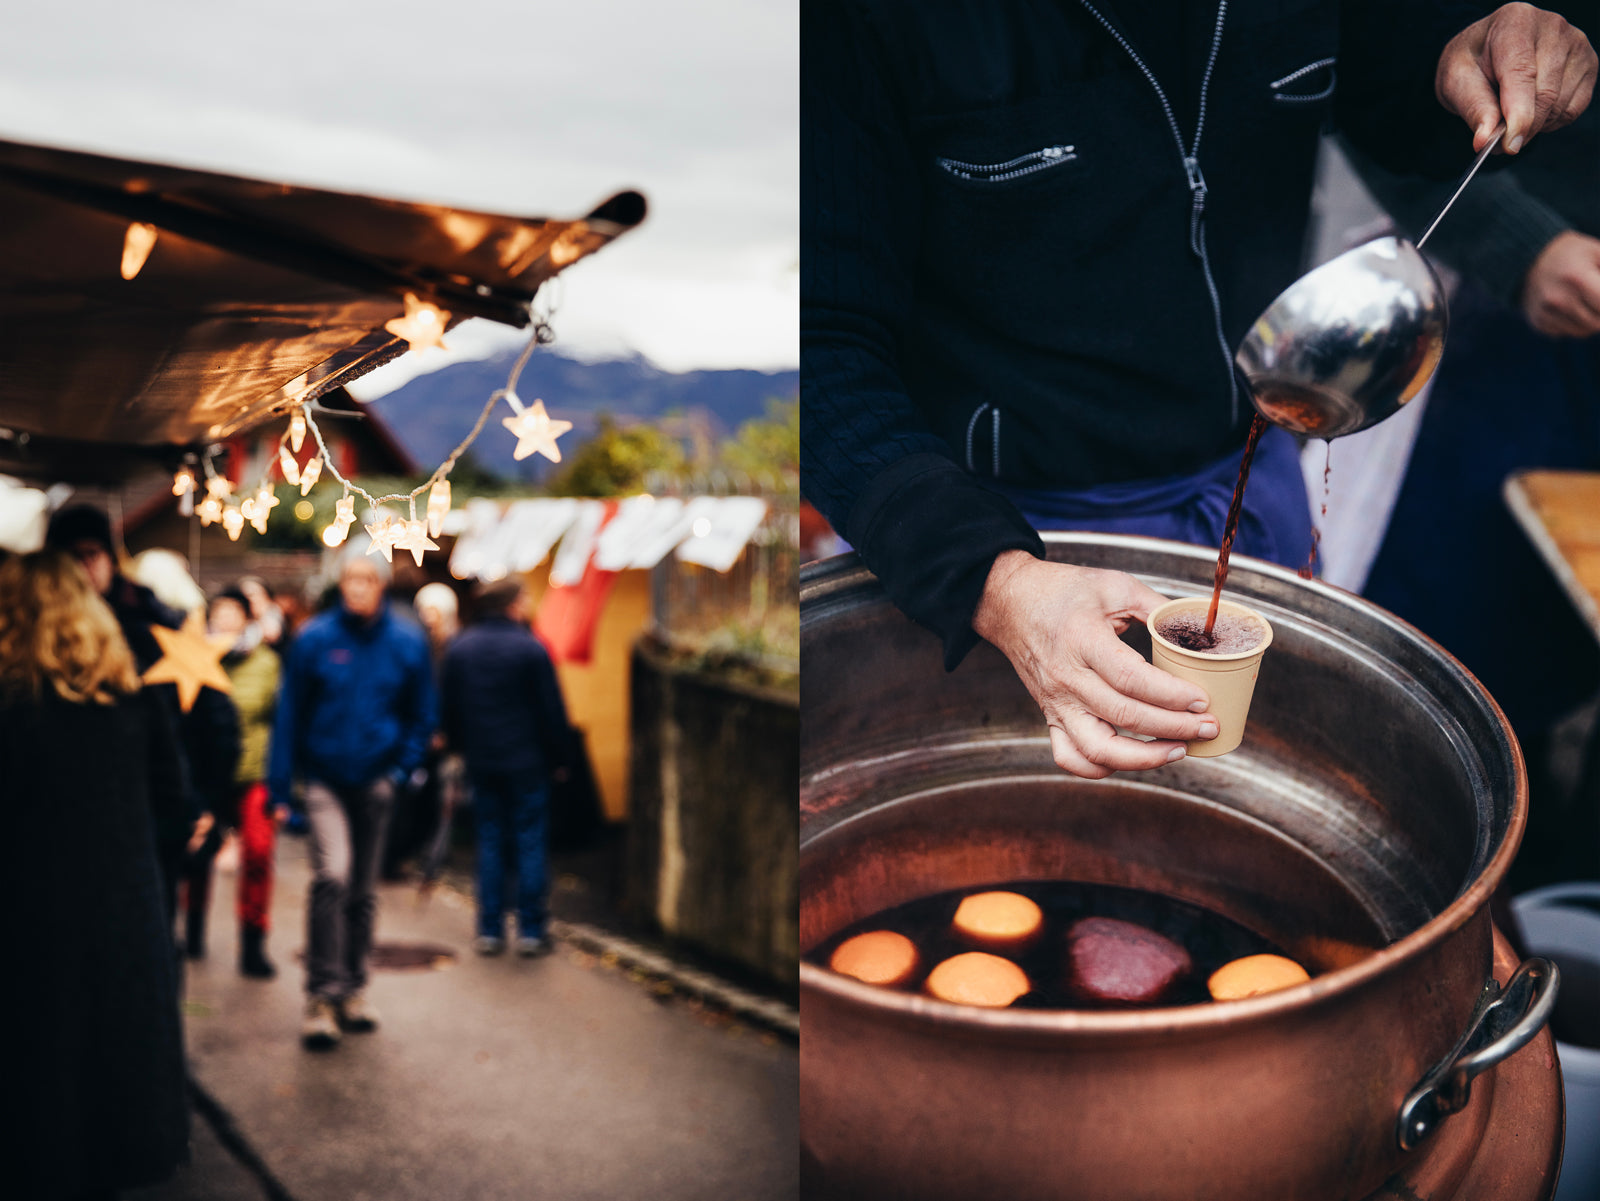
1026,164
1191,168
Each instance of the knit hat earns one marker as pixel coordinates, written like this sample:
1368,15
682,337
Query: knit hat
80,523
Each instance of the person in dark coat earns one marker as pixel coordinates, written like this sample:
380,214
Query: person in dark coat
503,712
86,759
208,733
1034,235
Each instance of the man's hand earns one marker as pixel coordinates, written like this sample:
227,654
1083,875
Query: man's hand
1058,625
1561,294
1520,65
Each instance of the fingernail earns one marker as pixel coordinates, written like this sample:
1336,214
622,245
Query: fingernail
1198,706
1516,145
1208,729
1176,753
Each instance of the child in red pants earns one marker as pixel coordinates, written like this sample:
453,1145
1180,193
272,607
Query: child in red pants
253,668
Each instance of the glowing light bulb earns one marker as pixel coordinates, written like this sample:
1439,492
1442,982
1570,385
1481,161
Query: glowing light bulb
536,430
266,501
297,429
383,533
287,465
334,534
438,507
183,482
310,474
413,536
136,246
210,510
702,527
233,522
422,326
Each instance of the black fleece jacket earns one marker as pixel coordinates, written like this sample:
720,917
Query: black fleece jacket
1023,259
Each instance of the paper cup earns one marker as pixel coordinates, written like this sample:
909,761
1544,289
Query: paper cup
1229,680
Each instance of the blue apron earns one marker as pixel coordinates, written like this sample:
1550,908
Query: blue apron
1275,523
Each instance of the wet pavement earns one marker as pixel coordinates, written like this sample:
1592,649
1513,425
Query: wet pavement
562,1077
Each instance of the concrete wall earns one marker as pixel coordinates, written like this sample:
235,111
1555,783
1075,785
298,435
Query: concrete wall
713,839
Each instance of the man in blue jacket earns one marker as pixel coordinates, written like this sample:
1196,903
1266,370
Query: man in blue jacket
503,712
355,713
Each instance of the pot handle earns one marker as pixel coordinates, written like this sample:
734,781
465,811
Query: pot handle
1504,1021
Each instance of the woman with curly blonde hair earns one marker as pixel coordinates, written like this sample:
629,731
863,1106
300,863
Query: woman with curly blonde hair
87,759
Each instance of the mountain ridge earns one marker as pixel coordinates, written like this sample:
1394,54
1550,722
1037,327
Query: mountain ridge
430,414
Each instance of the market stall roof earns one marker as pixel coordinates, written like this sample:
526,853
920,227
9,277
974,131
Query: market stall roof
256,295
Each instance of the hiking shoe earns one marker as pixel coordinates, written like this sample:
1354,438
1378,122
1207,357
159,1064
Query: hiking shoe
488,944
319,1029
530,946
357,1015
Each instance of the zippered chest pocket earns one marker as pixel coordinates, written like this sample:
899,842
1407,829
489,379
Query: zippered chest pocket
1021,165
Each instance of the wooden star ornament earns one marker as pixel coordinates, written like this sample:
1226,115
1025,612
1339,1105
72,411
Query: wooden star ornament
536,431
422,326
191,659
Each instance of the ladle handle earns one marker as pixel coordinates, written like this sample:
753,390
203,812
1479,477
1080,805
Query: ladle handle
1462,186
1505,1020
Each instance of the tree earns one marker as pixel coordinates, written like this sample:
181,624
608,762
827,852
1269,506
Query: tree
768,448
617,460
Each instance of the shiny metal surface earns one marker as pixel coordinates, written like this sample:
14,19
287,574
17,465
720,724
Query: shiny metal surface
1348,343
256,294
1461,184
1507,1019
1376,801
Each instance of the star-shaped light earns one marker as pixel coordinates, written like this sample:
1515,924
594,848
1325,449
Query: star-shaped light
438,507
266,501
190,658
383,534
210,510
413,536
536,430
422,326
233,522
345,512
297,429
309,474
288,465
219,486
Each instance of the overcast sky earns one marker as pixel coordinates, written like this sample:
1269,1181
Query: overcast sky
515,106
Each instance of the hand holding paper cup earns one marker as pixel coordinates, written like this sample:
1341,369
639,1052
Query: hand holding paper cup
1226,667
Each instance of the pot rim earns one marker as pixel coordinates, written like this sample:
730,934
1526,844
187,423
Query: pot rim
1212,1016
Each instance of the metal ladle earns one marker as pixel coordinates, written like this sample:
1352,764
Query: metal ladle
1350,342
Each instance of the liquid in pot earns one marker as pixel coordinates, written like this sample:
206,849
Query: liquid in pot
1208,939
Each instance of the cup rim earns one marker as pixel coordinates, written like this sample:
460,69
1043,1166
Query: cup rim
1234,608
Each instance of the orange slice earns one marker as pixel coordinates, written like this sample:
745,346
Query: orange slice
1003,920
878,957
1254,975
977,978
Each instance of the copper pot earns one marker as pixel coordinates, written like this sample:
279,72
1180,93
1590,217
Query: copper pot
1377,801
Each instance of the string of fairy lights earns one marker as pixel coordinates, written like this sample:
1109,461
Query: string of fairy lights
422,326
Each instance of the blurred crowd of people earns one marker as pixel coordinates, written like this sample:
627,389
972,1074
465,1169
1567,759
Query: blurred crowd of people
351,725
